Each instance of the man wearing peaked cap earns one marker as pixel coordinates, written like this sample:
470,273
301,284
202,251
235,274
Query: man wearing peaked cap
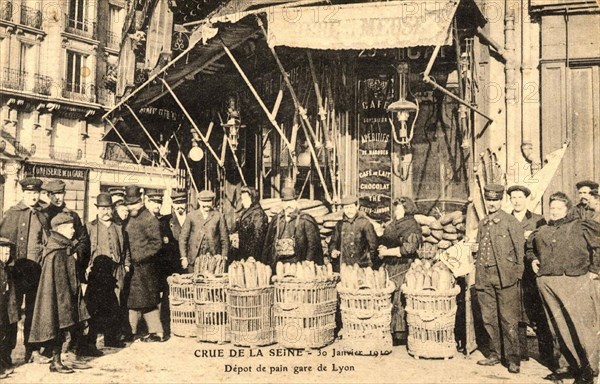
154,200
354,240
499,267
56,314
583,209
204,232
26,226
533,311
56,193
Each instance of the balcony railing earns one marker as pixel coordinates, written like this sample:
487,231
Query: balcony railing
65,153
105,97
82,28
42,84
6,9
79,91
31,17
13,79
113,40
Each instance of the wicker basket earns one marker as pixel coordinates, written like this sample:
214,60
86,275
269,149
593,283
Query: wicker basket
211,309
431,317
250,312
366,318
181,305
305,311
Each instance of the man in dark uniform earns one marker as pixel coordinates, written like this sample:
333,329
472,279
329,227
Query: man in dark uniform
170,228
354,240
204,232
292,235
120,212
154,201
532,310
584,189
27,227
499,267
56,193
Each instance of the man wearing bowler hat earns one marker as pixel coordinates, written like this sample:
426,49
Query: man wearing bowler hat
107,239
292,235
27,227
354,240
56,190
143,232
499,268
204,232
583,210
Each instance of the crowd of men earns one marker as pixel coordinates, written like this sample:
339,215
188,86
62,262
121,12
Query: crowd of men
72,281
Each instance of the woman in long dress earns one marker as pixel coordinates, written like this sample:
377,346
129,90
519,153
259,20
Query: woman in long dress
398,248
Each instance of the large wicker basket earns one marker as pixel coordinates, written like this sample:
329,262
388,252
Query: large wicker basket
250,312
366,318
305,311
211,309
181,305
431,318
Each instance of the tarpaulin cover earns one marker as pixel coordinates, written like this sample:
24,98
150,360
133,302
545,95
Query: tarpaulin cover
377,25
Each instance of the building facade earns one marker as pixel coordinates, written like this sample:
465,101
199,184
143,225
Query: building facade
57,80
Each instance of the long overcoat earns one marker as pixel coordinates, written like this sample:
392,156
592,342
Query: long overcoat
252,228
201,236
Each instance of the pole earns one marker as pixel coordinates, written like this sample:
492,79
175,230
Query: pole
138,161
235,158
187,166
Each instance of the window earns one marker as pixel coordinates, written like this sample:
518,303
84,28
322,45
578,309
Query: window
76,68
77,11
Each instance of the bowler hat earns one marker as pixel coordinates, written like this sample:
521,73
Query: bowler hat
288,193
526,191
31,184
348,200
587,183
60,219
206,195
54,186
104,200
132,195
493,192
179,197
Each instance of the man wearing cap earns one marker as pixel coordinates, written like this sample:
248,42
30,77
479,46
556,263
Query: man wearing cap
56,193
154,200
107,238
584,189
170,263
292,235
27,227
143,232
204,232
59,305
499,268
120,211
532,310
354,240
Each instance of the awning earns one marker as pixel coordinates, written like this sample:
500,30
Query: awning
377,25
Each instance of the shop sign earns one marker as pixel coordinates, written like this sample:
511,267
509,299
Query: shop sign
50,171
375,92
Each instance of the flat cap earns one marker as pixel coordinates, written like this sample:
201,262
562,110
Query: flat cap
288,193
493,192
521,188
54,186
587,183
206,195
31,184
348,200
179,197
60,219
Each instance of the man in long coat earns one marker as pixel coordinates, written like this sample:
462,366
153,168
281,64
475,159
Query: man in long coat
145,243
27,227
499,268
291,224
204,232
9,313
59,304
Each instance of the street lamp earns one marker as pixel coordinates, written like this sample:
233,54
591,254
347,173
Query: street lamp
402,108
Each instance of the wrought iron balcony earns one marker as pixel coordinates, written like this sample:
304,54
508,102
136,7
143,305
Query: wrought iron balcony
82,28
6,10
13,79
31,17
42,84
65,153
79,91
113,40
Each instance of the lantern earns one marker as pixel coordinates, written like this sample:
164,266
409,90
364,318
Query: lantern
402,108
